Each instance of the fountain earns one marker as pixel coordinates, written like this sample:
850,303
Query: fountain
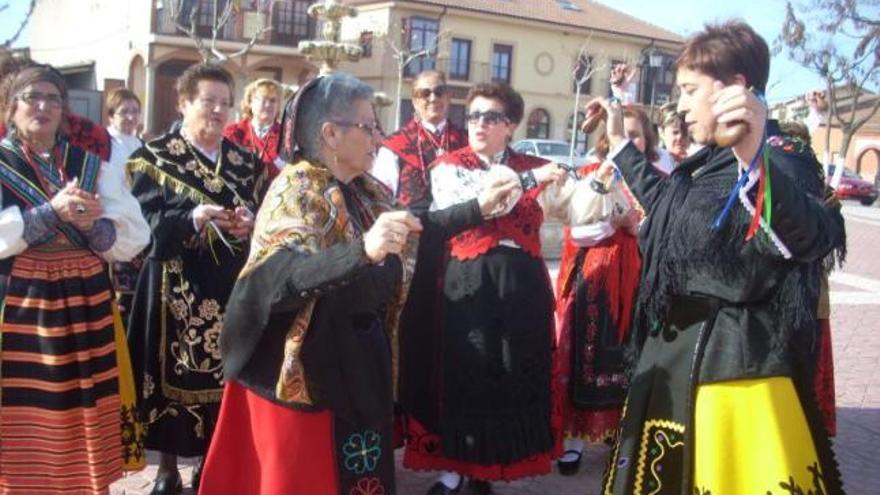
329,51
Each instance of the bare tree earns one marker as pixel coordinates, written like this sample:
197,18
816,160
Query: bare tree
847,72
221,15
404,54
12,39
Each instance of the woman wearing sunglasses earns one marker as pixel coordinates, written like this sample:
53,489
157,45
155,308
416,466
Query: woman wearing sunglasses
494,403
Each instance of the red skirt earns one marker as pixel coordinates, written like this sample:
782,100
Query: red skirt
823,382
262,448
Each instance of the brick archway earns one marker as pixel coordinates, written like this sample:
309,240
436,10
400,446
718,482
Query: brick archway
868,162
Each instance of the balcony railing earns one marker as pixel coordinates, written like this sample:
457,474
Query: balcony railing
241,27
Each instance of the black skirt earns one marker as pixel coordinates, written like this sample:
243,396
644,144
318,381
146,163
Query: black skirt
497,344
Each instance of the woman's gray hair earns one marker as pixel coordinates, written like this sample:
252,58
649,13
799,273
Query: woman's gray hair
332,99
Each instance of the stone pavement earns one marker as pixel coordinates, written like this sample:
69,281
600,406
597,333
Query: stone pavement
855,323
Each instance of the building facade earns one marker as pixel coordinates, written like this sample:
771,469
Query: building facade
538,46
863,154
103,44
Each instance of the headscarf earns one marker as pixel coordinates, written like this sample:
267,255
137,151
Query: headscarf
287,144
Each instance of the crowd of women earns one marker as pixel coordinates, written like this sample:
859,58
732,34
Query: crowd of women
291,299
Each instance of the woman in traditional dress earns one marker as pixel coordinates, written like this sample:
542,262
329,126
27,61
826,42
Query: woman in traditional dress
62,219
198,191
258,130
721,398
595,292
124,111
310,339
494,413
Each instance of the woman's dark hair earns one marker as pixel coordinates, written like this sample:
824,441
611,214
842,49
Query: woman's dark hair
188,82
510,98
725,50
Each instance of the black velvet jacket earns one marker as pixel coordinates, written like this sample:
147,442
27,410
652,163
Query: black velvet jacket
346,352
760,302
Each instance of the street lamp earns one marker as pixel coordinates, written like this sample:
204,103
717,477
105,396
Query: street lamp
655,63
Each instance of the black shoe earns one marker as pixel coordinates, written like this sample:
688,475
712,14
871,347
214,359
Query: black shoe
168,485
570,468
479,487
439,488
197,475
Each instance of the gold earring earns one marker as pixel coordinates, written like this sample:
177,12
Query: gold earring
335,160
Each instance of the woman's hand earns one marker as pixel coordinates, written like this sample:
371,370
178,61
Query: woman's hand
203,214
549,172
77,207
496,193
388,234
735,103
613,118
242,223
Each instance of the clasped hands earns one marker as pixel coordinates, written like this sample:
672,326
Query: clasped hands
76,206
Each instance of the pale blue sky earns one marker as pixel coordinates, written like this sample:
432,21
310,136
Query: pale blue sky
685,17
787,79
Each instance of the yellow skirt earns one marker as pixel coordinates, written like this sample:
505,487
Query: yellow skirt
133,457
751,437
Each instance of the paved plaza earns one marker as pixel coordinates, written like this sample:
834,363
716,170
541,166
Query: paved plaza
855,323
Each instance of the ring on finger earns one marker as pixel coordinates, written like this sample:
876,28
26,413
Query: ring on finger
80,208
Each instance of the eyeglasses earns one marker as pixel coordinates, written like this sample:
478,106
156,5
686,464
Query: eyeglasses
490,117
371,129
33,99
425,93
213,103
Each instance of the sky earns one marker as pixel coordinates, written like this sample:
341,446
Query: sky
787,79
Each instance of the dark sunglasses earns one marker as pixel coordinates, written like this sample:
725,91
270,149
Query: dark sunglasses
425,93
491,117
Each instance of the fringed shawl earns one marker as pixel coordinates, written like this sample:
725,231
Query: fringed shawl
306,212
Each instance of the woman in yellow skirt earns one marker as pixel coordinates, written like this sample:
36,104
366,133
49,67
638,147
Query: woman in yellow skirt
725,331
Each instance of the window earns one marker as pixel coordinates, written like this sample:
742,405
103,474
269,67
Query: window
584,66
502,59
460,59
290,23
422,36
538,126
204,15
366,42
568,5
613,63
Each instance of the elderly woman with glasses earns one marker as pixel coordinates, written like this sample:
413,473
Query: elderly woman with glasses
198,191
258,130
61,221
310,339
492,414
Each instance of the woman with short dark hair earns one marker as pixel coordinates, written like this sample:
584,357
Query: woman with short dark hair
725,330
492,414
199,193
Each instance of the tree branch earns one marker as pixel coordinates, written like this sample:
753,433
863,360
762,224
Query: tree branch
8,43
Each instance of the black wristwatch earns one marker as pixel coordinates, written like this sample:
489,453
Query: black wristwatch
527,180
598,186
